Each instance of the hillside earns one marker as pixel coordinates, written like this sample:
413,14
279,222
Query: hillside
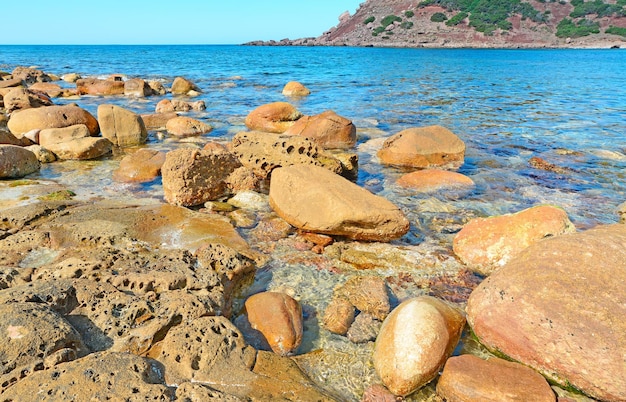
477,23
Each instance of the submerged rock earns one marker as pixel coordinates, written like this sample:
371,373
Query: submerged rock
430,180
274,117
547,308
140,167
327,129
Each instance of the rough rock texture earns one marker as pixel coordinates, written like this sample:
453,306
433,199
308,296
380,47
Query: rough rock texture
51,117
30,75
294,88
120,126
264,152
423,147
183,126
99,376
434,180
81,148
314,199
195,392
16,162
365,328
193,177
274,117
339,315
137,88
22,98
485,244
547,308
178,105
9,139
43,155
182,86
96,86
467,378
51,136
621,211
368,294
140,167
279,318
414,343
327,129
50,89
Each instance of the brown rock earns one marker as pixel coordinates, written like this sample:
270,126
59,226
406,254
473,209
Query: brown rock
13,82
137,88
9,139
242,179
621,211
51,117
16,162
120,126
193,177
183,126
327,129
274,117
22,98
43,155
485,244
313,199
50,136
70,77
140,167
338,316
157,88
468,378
99,376
368,294
294,88
414,343
194,392
157,121
423,147
365,328
279,318
429,180
378,393
546,309
176,105
182,86
95,86
29,75
81,148
50,89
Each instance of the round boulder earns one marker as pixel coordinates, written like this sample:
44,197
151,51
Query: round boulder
183,126
16,162
182,86
41,118
22,98
274,117
328,129
294,88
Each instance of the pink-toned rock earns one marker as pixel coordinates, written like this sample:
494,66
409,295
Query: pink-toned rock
294,88
414,343
467,378
423,147
378,393
51,117
140,167
328,129
22,98
274,117
81,148
429,180
51,136
339,315
182,86
120,126
137,88
279,318
183,126
16,162
30,75
50,89
96,86
485,244
157,121
559,308
314,199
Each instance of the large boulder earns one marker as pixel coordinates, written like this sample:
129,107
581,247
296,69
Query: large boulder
96,86
193,177
22,98
120,126
48,88
559,308
182,86
183,126
137,88
314,199
468,378
485,244
16,162
423,147
140,167
81,148
51,117
328,129
274,117
30,75
414,343
51,136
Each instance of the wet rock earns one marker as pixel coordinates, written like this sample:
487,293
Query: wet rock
193,177
279,318
294,88
99,376
182,86
16,162
22,98
339,315
194,392
546,309
327,129
313,199
414,343
178,105
271,229
157,121
368,294
485,244
274,117
81,148
120,126
99,87
365,328
42,154
378,393
29,75
70,77
48,88
430,180
250,200
183,126
51,136
263,152
51,117
471,379
36,338
140,167
542,164
423,147
137,88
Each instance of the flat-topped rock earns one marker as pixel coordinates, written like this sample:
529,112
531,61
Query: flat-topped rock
327,129
274,117
99,87
41,118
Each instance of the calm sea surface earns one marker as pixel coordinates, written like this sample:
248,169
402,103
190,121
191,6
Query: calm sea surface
567,107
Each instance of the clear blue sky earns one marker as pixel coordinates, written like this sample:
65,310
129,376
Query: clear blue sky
166,22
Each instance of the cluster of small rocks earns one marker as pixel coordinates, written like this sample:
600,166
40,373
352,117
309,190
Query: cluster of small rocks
109,303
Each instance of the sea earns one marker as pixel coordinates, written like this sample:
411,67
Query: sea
565,106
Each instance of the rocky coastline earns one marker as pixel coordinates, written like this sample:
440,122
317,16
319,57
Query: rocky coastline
160,301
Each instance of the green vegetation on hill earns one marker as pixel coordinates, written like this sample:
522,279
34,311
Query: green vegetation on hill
598,7
570,29
438,17
616,31
369,19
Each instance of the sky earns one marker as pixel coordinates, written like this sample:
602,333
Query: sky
166,22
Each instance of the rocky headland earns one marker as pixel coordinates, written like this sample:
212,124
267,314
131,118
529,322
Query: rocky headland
477,24
105,299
